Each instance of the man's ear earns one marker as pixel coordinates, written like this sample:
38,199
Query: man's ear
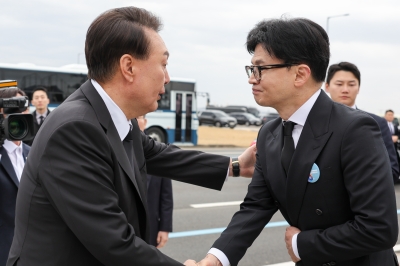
327,87
127,65
303,74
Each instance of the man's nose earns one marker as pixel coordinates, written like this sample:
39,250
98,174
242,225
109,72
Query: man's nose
167,78
252,79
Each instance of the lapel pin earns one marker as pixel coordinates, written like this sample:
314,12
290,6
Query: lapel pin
314,174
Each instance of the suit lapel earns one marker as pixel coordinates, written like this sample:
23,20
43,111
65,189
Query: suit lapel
6,162
105,120
138,157
314,136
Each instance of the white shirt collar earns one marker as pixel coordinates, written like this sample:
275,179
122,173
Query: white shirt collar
301,114
10,146
122,124
39,115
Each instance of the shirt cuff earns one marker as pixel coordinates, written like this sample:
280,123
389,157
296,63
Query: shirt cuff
220,255
294,246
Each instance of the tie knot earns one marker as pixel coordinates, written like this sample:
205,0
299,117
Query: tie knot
288,128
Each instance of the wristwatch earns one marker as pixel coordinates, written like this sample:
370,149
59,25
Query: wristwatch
235,167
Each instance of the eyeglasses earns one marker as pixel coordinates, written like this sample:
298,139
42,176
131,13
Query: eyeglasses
256,70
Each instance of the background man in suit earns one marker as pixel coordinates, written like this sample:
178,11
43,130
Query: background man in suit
40,99
343,84
82,197
325,168
389,116
12,160
160,203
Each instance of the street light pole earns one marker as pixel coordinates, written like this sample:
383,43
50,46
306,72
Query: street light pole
336,16
78,56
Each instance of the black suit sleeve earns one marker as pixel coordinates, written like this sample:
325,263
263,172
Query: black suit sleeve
255,212
166,205
387,139
193,167
367,178
396,131
85,198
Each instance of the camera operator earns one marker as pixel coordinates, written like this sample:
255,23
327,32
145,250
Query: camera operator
12,160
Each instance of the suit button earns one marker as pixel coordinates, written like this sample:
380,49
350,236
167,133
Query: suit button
276,203
333,263
318,212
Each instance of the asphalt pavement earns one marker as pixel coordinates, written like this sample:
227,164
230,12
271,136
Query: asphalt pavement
200,215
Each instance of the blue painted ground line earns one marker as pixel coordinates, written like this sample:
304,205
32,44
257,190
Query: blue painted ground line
221,229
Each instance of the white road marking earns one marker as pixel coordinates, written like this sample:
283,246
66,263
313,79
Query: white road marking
289,263
216,204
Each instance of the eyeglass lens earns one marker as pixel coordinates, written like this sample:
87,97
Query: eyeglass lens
254,70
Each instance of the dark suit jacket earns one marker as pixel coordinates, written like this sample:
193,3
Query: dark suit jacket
160,206
387,139
396,133
36,126
81,203
348,216
8,194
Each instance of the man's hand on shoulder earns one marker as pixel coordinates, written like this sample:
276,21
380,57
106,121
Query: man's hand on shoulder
247,160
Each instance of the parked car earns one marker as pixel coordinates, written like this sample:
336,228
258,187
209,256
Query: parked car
246,119
269,117
251,110
216,118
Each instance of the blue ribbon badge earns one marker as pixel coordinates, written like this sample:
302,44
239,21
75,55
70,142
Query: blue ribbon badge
314,174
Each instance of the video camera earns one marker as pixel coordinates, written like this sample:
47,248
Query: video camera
15,126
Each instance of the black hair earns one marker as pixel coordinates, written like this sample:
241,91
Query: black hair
114,33
295,41
344,66
40,89
9,93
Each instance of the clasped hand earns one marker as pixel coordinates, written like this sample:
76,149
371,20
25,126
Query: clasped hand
209,260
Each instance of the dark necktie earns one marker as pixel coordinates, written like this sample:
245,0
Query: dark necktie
41,120
288,145
128,146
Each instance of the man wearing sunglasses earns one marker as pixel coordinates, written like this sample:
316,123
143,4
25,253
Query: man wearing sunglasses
322,164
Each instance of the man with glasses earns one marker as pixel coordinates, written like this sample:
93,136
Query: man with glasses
320,163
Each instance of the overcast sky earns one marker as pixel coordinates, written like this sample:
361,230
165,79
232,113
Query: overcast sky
206,39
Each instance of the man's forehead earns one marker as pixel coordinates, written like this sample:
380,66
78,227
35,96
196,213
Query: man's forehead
39,92
343,75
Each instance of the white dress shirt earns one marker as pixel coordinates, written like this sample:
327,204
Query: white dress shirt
122,124
299,117
391,127
16,156
39,115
